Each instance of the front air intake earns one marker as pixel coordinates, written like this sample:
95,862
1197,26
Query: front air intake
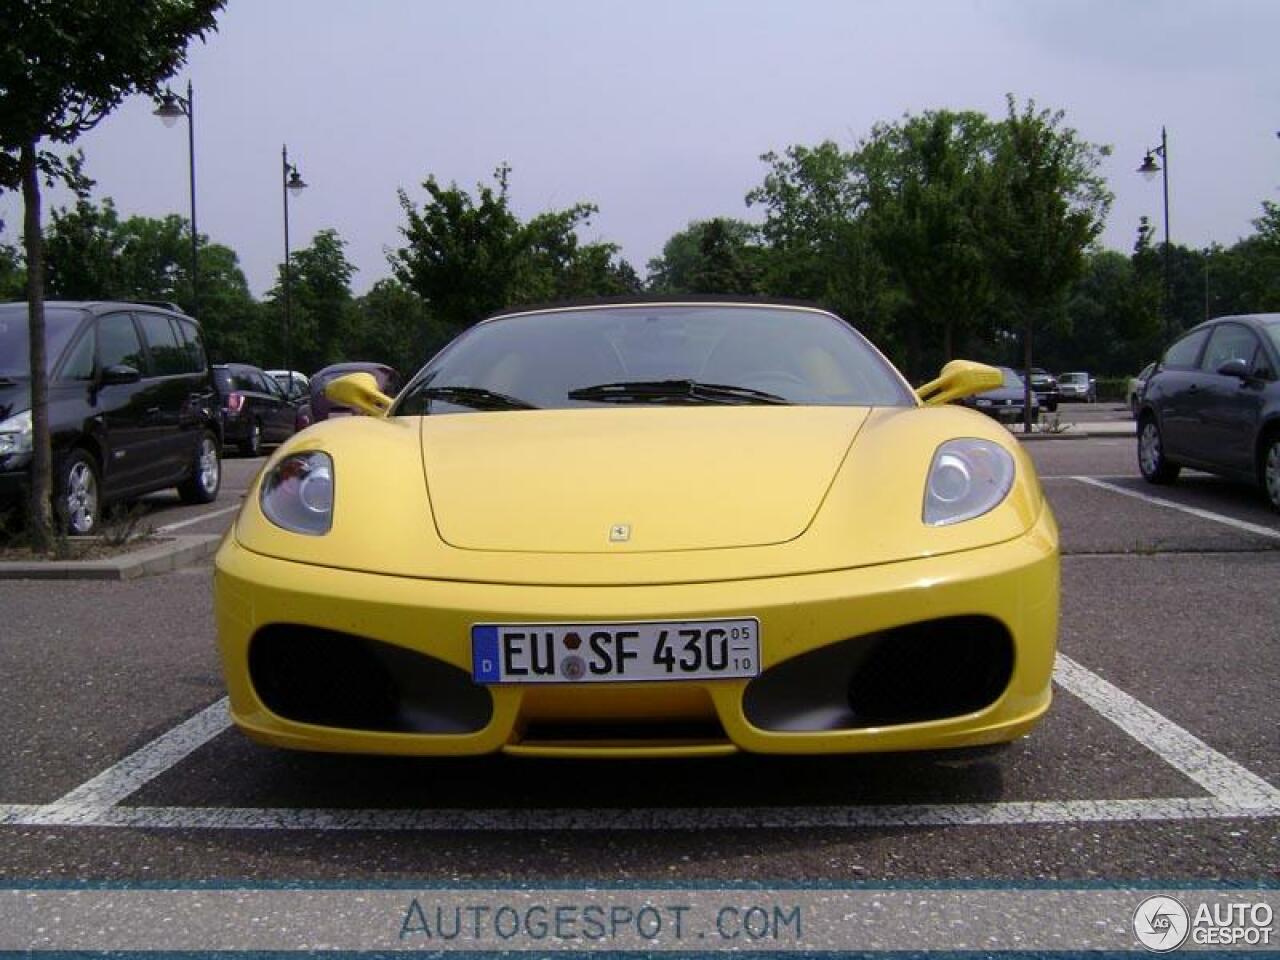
911,674
334,679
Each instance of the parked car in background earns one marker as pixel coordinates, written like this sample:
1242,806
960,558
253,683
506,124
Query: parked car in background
1045,386
255,408
1214,404
132,407
1006,402
292,382
1078,386
322,407
1133,393
297,387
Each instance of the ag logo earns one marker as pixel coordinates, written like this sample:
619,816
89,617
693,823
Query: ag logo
1161,923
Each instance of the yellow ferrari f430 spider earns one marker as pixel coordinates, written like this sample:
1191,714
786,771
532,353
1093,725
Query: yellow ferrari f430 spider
645,529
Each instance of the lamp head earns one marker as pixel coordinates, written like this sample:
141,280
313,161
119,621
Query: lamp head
1149,167
169,110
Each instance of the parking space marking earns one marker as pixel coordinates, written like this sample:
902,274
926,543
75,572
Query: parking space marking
89,800
1244,525
16,812
999,813
1235,792
1182,750
170,527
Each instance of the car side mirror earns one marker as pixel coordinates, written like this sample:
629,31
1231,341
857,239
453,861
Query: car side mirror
120,373
959,379
1235,368
359,391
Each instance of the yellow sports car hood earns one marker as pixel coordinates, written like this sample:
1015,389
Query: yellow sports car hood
705,493
632,479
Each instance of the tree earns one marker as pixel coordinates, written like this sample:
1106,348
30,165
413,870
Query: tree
1047,205
721,255
64,65
82,253
818,244
1268,225
322,309
467,258
924,180
393,327
461,254
13,279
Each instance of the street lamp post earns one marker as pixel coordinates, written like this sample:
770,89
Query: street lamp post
171,106
291,182
1149,169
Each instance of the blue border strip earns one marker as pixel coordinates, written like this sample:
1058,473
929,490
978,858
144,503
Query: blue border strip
19,883
601,955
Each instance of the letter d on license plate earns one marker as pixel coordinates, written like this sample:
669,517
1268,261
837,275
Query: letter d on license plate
604,652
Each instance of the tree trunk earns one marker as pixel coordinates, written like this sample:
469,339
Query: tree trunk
40,519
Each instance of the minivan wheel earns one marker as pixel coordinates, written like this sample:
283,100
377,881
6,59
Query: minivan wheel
1152,462
252,447
206,473
1271,470
77,498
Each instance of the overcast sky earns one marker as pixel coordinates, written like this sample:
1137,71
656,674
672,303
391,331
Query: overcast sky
658,110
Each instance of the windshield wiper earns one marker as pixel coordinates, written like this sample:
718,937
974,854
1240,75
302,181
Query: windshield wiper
477,397
657,391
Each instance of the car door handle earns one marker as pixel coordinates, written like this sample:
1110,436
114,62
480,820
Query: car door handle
1194,388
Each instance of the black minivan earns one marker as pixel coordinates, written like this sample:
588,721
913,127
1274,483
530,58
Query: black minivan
254,407
131,407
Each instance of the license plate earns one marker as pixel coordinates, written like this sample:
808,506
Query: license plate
605,652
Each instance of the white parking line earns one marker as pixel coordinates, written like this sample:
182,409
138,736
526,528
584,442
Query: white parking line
674,818
92,798
1244,525
170,527
1236,792
1188,754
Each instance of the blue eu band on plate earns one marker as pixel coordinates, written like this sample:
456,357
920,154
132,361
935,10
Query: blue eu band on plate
603,652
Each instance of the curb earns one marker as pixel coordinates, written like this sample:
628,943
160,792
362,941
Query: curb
175,552
1074,434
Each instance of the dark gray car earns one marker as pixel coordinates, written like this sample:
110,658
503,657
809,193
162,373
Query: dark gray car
1213,403
1005,402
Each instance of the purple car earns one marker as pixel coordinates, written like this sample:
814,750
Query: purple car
322,408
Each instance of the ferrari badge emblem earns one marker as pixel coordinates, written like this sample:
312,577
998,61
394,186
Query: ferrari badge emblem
620,533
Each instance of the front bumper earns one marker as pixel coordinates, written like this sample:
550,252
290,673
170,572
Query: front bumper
1014,583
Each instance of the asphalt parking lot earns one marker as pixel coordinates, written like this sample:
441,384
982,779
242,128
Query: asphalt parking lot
1159,760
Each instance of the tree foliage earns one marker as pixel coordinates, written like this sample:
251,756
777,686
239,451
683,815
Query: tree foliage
721,256
469,257
926,179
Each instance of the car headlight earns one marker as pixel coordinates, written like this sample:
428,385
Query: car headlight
968,477
297,494
983,402
15,436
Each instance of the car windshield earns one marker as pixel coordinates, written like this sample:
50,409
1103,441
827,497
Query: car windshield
15,355
663,354
1273,331
1011,378
1074,378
